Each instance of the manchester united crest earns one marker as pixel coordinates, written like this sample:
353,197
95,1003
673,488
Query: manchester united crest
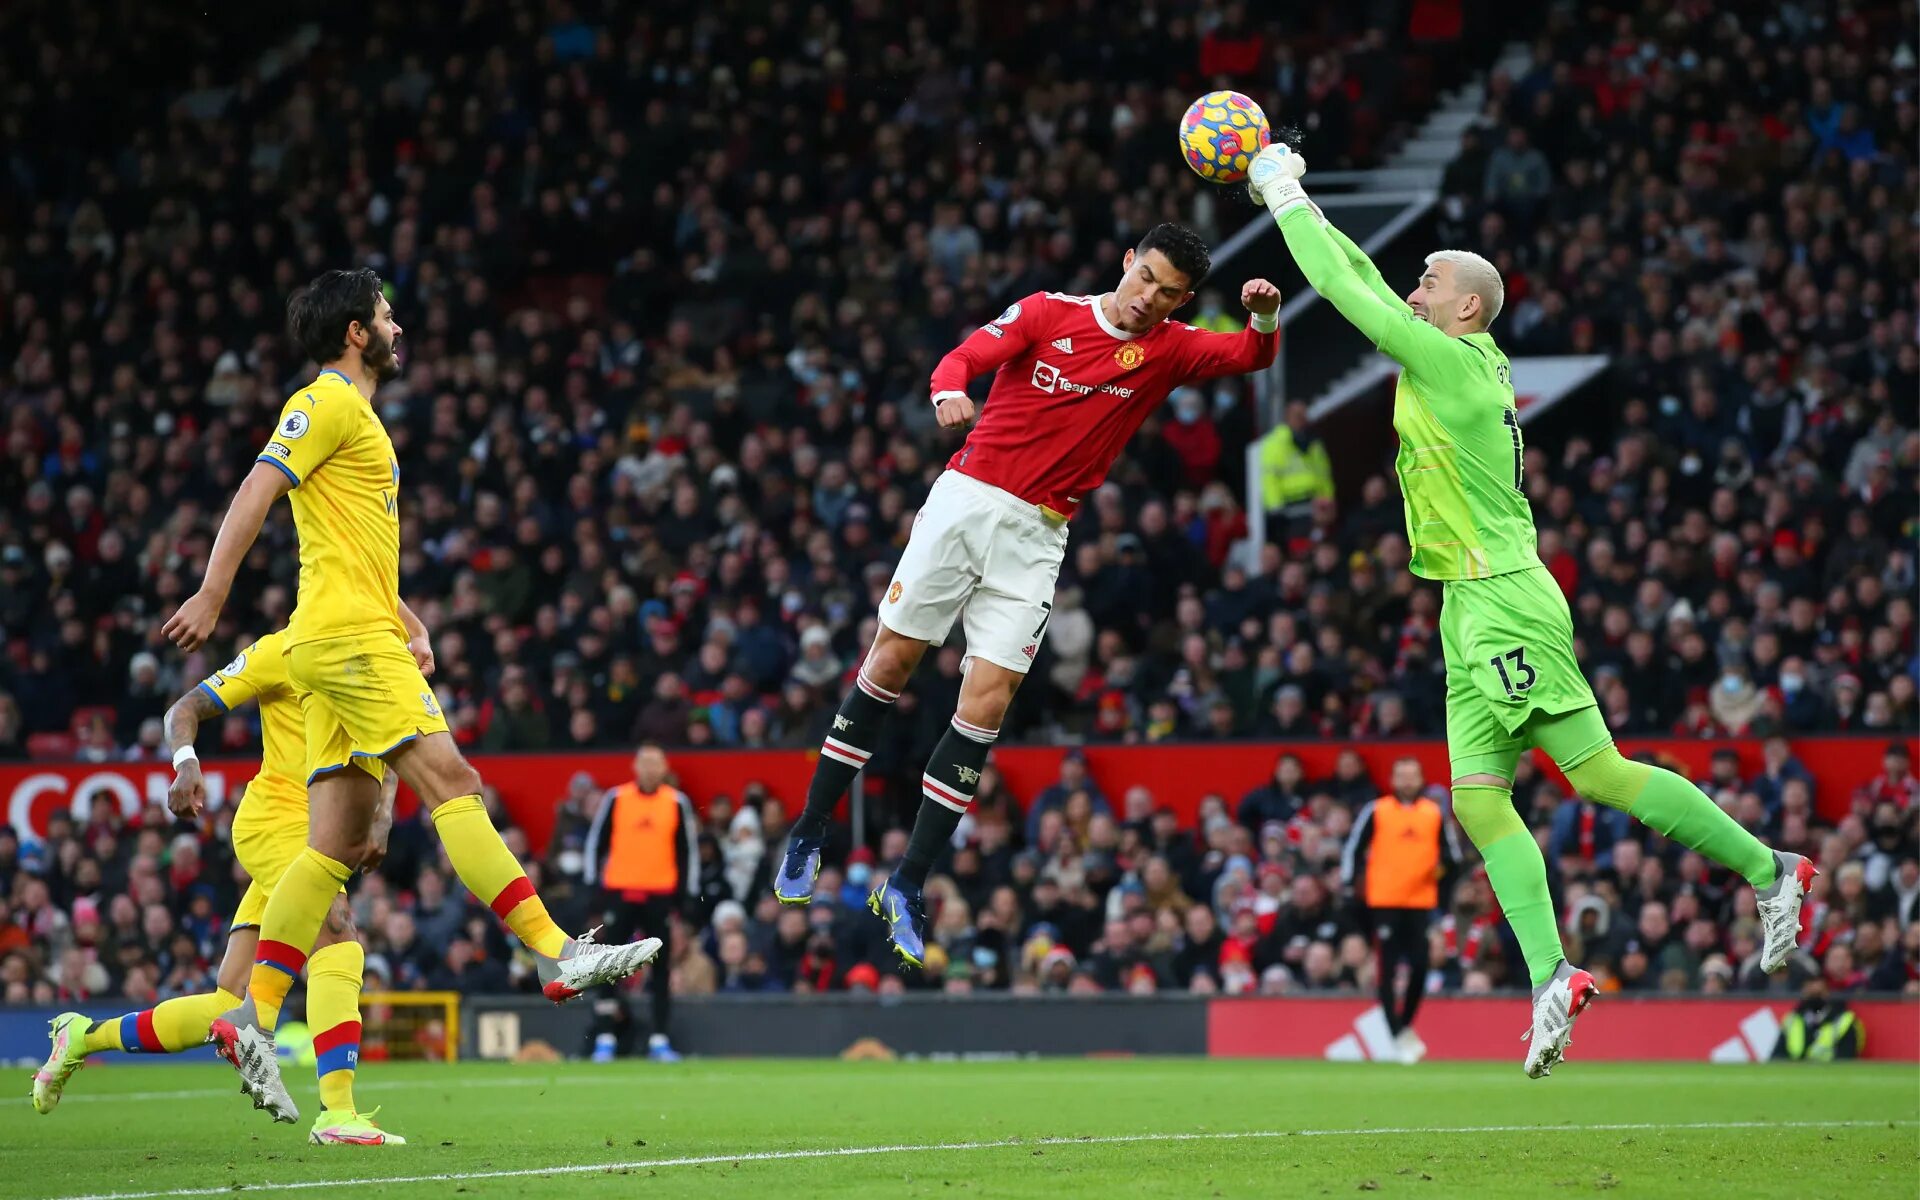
1129,356
893,593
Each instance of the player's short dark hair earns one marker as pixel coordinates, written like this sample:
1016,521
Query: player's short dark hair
1183,249
318,315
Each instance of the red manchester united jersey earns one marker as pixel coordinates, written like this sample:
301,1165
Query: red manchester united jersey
1072,388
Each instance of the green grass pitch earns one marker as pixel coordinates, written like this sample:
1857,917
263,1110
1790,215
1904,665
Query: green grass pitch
1060,1127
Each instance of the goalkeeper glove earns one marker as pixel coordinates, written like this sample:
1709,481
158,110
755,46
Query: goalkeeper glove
1273,179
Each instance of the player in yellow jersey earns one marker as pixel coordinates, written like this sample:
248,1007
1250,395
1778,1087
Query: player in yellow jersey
269,831
357,654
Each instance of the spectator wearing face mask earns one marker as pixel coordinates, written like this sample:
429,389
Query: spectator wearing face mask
1193,436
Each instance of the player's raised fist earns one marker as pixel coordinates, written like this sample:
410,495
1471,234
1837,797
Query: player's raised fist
191,626
954,410
1260,297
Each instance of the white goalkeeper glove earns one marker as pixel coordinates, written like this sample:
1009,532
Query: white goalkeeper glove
1273,179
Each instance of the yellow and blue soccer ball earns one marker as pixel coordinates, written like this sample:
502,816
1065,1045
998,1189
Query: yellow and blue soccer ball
1220,134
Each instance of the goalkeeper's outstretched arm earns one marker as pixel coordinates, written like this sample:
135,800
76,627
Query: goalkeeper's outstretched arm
1274,180
1363,267
1386,321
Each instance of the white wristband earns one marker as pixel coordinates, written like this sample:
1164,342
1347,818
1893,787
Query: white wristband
939,396
184,754
1266,322
1283,196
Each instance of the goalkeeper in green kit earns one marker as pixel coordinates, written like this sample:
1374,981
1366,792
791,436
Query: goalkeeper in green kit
1512,681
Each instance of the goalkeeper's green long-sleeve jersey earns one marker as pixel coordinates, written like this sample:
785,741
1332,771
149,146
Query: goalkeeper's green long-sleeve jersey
1459,459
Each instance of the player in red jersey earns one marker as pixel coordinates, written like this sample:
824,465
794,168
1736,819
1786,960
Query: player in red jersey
1077,376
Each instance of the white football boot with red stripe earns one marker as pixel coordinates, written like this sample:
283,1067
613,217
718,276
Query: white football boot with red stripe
1779,904
585,963
237,1037
1555,1004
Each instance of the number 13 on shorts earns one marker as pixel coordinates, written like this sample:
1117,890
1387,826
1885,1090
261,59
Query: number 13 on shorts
1516,673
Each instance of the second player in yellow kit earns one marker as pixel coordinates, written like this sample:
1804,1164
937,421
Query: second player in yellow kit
270,826
269,832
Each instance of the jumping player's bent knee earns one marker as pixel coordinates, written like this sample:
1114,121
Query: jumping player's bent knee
891,661
1608,777
986,693
435,769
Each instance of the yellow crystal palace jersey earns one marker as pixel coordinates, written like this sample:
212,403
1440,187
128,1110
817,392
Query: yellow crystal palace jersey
259,674
346,506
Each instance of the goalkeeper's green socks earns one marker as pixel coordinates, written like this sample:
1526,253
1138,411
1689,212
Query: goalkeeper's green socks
1671,804
1517,871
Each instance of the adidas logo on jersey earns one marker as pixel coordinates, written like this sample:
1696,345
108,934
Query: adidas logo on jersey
1063,345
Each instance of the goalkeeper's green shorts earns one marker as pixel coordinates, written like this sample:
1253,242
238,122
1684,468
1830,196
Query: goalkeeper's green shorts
1508,642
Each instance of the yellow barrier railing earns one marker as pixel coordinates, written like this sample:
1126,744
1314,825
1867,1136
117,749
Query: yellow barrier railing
410,1026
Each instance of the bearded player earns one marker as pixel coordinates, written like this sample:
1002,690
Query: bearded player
1077,376
269,831
357,657
1512,680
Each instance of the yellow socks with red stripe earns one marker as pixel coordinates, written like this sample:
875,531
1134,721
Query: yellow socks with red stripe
289,928
334,976
167,1028
492,873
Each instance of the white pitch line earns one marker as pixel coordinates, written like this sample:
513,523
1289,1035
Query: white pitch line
943,1147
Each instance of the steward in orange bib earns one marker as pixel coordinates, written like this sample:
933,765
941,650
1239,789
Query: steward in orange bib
1400,849
641,851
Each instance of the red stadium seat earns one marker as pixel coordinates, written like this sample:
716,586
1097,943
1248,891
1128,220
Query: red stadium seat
83,717
50,747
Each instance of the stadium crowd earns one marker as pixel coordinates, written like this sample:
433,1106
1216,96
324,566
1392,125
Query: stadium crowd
1067,890
642,501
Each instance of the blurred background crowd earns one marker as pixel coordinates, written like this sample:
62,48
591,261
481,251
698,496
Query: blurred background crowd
673,280
1072,889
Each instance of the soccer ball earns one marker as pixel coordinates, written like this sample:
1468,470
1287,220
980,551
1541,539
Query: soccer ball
1220,134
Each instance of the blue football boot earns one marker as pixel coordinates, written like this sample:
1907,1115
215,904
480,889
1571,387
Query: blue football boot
794,883
906,916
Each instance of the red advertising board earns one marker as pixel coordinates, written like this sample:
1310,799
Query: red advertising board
1179,775
1488,1029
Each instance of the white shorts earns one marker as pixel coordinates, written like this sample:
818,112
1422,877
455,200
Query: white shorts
982,550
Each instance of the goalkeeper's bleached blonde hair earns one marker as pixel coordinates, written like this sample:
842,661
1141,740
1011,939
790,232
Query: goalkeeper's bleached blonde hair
1476,275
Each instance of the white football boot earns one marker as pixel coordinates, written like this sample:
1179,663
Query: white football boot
1555,1004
